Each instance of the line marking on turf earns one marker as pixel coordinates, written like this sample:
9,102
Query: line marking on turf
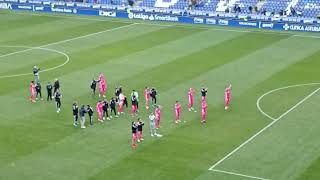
168,25
40,48
270,124
278,89
238,174
55,43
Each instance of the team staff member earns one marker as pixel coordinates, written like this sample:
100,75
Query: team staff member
90,113
38,90
113,105
75,111
105,108
93,86
49,91
82,113
57,97
56,86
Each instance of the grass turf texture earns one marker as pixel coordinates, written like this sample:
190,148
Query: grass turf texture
36,143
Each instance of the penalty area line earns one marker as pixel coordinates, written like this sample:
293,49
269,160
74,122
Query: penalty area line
262,130
238,174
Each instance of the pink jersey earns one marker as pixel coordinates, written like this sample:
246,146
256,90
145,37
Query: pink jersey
102,83
32,88
158,113
190,96
178,107
99,107
228,93
204,106
147,94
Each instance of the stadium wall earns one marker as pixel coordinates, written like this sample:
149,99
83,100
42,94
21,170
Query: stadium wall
43,6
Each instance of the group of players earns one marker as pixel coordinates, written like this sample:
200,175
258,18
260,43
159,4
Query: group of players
53,91
106,109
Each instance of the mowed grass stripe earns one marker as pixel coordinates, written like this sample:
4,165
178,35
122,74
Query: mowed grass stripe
262,160
121,126
114,75
64,33
48,27
215,98
109,51
193,65
11,23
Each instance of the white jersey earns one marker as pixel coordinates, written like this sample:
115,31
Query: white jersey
135,93
121,97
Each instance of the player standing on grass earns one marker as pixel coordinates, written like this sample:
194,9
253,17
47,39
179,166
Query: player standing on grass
90,113
93,86
204,94
38,90
57,97
102,86
134,104
49,91
153,130
32,89
105,108
113,105
178,111
82,113
99,108
56,86
140,128
147,96
203,111
153,94
75,111
136,94
158,116
36,71
227,97
134,129
121,104
191,99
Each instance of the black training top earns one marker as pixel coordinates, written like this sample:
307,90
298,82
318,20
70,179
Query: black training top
75,109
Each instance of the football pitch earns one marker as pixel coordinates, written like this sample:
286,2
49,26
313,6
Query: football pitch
270,131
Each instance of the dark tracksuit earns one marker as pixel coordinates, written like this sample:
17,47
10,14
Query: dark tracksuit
105,108
38,90
75,112
49,92
113,107
56,86
57,98
90,113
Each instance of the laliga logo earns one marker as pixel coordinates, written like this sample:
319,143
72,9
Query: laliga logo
286,27
151,17
130,16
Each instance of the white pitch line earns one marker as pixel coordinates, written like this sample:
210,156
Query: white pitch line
238,174
41,48
278,89
262,130
177,25
55,43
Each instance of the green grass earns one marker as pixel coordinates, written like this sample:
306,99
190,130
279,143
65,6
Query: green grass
37,143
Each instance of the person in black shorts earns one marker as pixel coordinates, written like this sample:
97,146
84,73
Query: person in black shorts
105,108
56,86
153,95
75,111
49,91
113,105
38,91
90,113
57,98
93,86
